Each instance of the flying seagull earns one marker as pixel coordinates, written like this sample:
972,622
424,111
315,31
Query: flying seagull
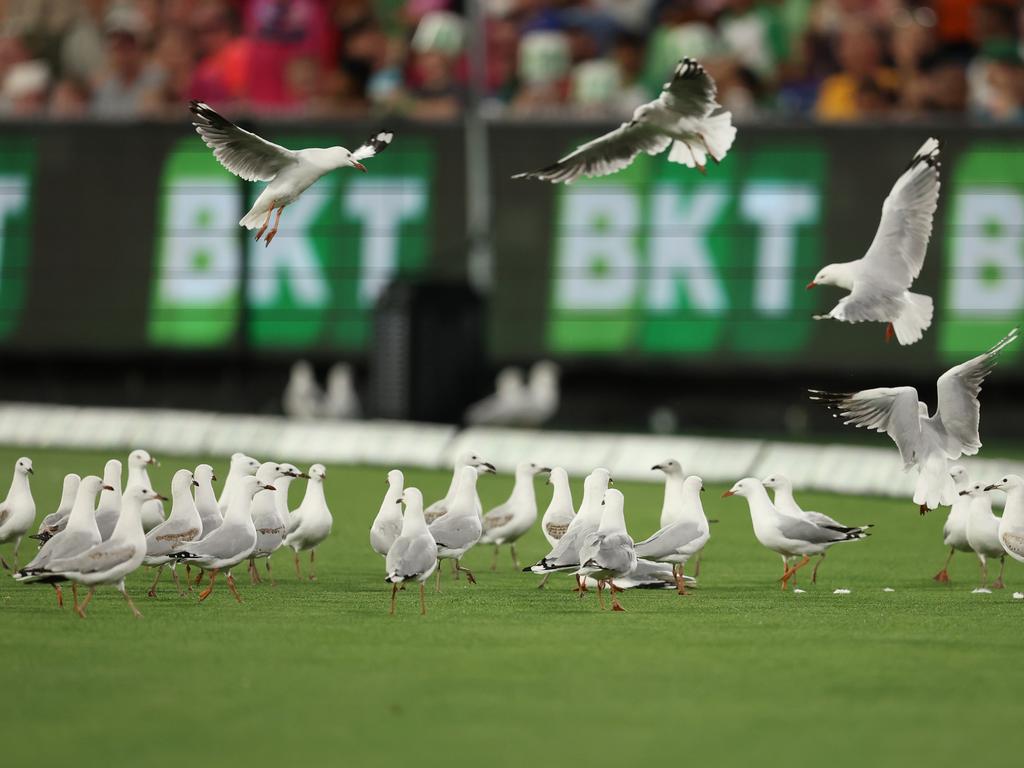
927,442
879,283
289,172
681,116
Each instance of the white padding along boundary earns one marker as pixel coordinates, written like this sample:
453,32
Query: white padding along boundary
837,468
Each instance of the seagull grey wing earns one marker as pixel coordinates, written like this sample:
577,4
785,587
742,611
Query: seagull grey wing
897,253
893,410
170,539
411,557
616,553
373,146
795,529
223,542
497,517
454,531
604,155
1013,544
100,558
668,540
959,411
691,92
243,153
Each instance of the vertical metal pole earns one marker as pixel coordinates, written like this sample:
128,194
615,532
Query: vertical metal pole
479,264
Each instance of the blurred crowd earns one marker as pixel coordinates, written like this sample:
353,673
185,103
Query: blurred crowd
830,60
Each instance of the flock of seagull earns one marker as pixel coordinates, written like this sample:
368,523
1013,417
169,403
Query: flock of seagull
99,534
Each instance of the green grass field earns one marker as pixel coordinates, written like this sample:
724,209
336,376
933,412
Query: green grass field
504,674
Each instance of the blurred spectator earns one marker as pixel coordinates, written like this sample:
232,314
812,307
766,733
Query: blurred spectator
818,59
132,78
25,89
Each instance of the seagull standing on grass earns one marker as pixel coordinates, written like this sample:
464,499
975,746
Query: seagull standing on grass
682,538
983,533
458,531
311,523
55,522
387,525
18,510
786,535
270,526
608,553
413,556
683,116
954,532
786,504
1011,524
440,507
560,512
290,173
506,523
183,525
229,544
565,554
879,282
110,561
927,442
79,534
206,498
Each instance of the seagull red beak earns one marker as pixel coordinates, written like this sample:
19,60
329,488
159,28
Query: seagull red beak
811,284
358,165
727,494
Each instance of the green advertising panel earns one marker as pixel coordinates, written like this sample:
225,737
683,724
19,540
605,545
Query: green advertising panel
661,260
338,247
983,280
17,171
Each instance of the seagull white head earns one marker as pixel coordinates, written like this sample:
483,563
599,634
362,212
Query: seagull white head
776,481
473,460
960,476
530,468
744,487
24,466
317,473
411,497
204,474
244,464
395,479
91,486
694,484
1008,483
557,474
839,275
669,467
140,458
140,494
975,490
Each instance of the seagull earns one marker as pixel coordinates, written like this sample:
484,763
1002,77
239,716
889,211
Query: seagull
647,575
503,406
241,466
1011,524
79,534
672,506
387,525
786,535
440,507
311,523
302,396
458,530
565,554
340,401
608,553
506,523
229,544
954,532
682,538
206,498
18,510
110,561
927,442
109,508
560,512
283,484
270,526
413,556
138,463
183,525
55,522
983,532
684,116
290,173
786,504
879,282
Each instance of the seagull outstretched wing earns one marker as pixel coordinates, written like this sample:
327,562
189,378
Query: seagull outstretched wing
243,153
